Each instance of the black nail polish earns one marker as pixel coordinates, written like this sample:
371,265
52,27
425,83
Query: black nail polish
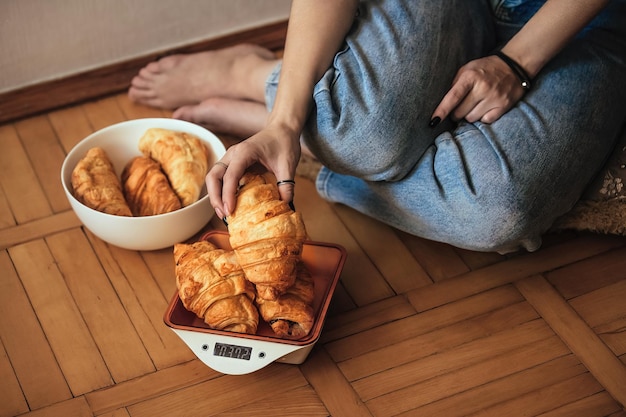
434,122
224,220
291,206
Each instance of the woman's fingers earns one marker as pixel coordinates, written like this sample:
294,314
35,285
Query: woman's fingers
214,186
483,89
279,157
450,102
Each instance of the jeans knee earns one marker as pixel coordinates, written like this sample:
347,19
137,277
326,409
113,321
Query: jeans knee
364,151
504,228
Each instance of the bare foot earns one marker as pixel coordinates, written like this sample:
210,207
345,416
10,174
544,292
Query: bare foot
178,80
239,118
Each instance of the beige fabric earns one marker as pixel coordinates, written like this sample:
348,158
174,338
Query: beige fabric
602,208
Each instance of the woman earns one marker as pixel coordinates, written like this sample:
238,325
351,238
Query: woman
465,122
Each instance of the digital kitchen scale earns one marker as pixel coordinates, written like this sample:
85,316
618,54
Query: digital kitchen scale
236,353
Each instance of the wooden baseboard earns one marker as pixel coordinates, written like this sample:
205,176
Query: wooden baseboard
31,100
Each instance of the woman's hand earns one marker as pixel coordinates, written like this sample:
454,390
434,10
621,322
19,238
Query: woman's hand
483,89
275,147
486,88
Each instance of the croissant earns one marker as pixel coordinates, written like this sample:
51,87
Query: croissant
266,235
212,285
146,188
183,158
97,186
291,314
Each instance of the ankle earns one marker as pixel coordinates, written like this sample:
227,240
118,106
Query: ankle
250,74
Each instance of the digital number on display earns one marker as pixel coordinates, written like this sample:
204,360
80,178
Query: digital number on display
232,351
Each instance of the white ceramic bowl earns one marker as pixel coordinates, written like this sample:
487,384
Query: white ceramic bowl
120,142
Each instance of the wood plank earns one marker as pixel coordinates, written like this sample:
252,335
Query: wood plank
104,314
382,245
164,346
120,412
583,342
66,331
547,398
614,335
149,386
70,125
18,180
143,301
433,362
12,401
603,305
334,390
303,402
438,259
161,265
597,405
39,228
510,387
469,340
341,301
76,407
467,378
103,112
476,260
6,217
116,77
367,317
360,276
410,327
224,393
576,279
44,149
37,370
511,270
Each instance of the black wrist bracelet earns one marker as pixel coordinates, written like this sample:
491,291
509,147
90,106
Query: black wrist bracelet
517,69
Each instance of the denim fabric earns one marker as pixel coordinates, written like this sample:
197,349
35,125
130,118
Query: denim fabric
494,187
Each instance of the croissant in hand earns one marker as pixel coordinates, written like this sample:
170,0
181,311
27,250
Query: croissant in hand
146,188
266,235
183,158
212,285
291,314
96,185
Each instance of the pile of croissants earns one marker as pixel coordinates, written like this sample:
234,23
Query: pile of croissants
262,275
167,176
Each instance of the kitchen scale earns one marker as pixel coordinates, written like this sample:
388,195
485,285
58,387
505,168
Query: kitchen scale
236,353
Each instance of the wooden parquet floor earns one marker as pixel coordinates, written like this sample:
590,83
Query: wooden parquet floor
416,328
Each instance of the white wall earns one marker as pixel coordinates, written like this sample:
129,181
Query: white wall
43,40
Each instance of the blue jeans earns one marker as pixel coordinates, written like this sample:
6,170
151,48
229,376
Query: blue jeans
488,187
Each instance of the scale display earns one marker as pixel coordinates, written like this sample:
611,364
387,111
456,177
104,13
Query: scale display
232,351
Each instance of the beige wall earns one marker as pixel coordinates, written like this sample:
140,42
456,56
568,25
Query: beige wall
43,40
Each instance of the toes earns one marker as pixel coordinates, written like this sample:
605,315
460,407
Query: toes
144,96
140,83
148,72
183,113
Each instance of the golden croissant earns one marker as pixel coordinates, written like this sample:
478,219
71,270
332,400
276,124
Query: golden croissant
146,188
291,315
183,158
212,285
266,235
96,185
